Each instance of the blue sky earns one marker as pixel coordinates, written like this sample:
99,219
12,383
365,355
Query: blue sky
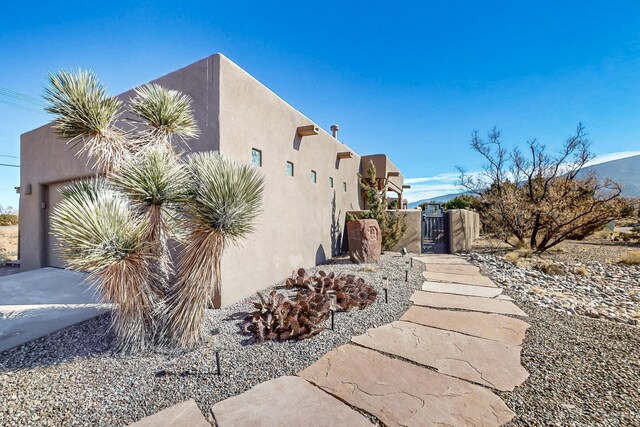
411,79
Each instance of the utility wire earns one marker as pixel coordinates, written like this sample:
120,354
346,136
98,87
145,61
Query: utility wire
6,155
20,96
7,165
21,106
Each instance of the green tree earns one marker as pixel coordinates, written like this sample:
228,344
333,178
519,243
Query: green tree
392,227
463,201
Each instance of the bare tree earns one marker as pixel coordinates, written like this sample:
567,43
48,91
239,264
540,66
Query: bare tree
540,199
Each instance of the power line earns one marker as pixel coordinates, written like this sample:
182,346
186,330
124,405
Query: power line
12,166
6,155
20,96
21,106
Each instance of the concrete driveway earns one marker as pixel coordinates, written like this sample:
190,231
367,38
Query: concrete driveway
38,302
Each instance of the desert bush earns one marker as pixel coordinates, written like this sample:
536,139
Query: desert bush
580,270
538,198
631,258
8,219
514,256
279,318
550,269
351,292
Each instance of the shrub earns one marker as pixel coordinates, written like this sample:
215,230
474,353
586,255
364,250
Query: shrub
279,318
631,258
580,270
350,292
551,269
8,219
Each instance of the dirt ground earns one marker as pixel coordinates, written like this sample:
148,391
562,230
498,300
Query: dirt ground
8,248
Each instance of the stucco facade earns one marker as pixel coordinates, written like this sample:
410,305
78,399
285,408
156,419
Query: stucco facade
302,221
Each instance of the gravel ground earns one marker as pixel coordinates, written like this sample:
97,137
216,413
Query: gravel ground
71,378
610,292
584,372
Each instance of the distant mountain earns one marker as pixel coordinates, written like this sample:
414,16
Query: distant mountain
624,171
438,199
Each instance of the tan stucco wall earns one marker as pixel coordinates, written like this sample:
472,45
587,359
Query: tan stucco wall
46,159
302,223
463,229
411,240
383,166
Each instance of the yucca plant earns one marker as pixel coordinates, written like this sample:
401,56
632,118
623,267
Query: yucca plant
86,117
154,181
224,200
98,233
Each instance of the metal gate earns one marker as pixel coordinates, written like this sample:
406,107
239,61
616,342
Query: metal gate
434,239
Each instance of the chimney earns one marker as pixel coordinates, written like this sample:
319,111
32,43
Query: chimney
334,130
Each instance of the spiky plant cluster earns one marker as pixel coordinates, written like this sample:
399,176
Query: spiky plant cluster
224,198
279,318
118,226
350,292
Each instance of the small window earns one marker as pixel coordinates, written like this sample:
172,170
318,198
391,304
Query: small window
344,187
330,182
256,157
289,168
314,177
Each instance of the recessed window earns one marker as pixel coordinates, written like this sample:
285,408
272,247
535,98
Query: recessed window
330,182
344,186
256,157
289,168
314,177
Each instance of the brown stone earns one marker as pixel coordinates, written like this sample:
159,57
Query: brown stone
184,414
475,280
399,393
365,240
470,270
457,288
285,401
486,362
463,302
483,325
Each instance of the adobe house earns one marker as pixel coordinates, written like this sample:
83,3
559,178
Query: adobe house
311,178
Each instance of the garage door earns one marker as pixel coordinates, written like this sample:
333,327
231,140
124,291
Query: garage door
53,197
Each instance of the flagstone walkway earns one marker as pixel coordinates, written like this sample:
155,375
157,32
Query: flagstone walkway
435,366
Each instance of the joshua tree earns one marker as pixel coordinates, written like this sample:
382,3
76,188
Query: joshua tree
224,198
118,225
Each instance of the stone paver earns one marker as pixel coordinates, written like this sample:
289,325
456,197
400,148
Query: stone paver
462,302
402,394
184,414
504,297
475,280
483,325
458,289
286,401
486,362
441,259
470,270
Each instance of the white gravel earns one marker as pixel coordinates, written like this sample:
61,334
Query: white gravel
71,377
